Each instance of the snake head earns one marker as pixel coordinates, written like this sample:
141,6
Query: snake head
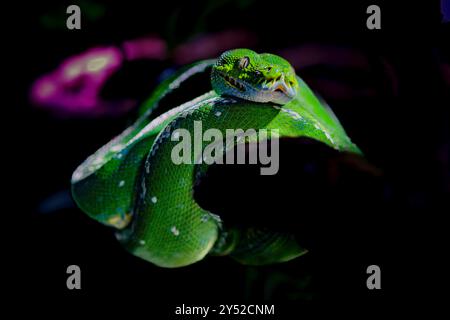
256,77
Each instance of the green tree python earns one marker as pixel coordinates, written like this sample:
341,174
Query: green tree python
132,184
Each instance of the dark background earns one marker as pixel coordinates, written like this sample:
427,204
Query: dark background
389,88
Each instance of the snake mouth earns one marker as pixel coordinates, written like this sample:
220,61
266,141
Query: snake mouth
274,90
281,87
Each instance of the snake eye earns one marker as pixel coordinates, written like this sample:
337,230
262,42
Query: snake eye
244,62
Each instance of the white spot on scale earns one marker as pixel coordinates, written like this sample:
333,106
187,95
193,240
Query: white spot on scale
154,199
218,114
141,242
121,183
175,231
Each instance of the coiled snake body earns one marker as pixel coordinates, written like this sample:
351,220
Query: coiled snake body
132,183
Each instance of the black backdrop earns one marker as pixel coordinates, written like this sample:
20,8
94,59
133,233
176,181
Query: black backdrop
392,221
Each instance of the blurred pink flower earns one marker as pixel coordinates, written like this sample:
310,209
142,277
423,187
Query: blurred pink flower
145,48
75,85
212,45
